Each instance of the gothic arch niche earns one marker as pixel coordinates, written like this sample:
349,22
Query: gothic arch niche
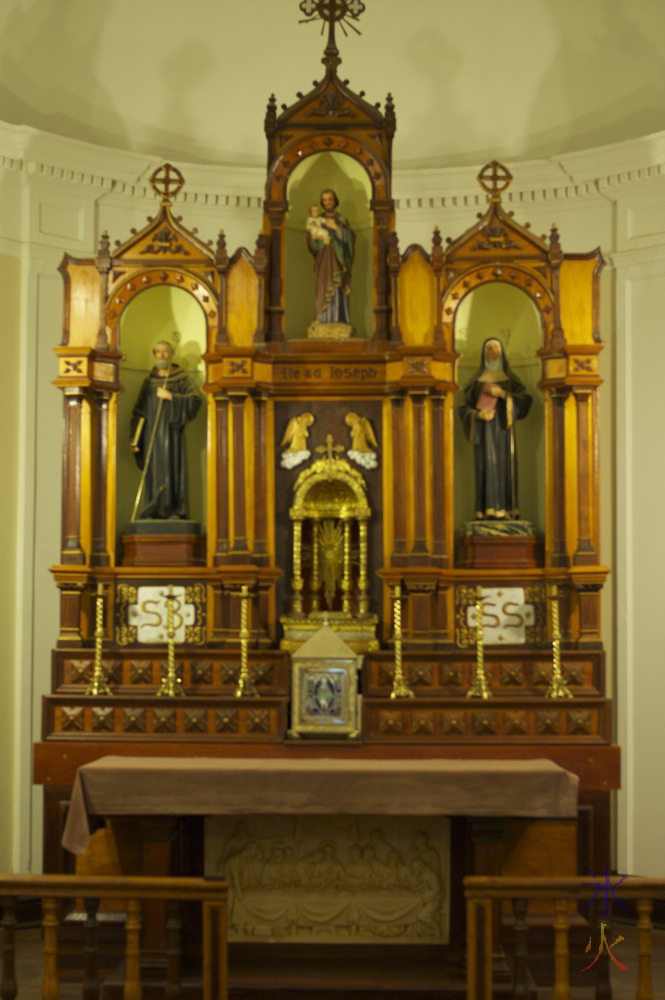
156,314
349,180
496,309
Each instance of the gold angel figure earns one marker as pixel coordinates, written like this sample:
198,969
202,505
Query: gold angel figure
363,440
295,436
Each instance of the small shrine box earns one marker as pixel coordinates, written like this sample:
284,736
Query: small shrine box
325,688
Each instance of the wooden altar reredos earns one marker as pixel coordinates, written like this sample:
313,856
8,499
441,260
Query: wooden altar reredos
399,372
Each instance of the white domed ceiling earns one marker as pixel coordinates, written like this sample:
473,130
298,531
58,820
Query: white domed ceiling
471,79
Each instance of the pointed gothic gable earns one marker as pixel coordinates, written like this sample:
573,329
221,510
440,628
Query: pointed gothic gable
164,240
497,231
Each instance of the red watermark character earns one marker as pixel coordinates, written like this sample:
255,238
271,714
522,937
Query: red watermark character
603,941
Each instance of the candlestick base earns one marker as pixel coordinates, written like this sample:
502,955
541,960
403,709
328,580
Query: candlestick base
98,686
171,686
401,689
558,689
246,688
479,688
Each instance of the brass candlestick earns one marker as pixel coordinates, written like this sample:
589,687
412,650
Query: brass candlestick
171,683
400,688
557,688
246,688
98,685
479,688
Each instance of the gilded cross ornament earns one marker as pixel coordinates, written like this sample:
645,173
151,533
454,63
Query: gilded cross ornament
494,178
329,449
167,182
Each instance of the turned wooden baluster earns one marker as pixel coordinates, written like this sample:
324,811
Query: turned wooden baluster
214,951
50,988
644,983
132,989
520,968
173,952
479,949
91,988
561,954
8,925
603,989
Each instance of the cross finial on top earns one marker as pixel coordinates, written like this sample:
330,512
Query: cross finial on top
494,178
167,182
332,12
329,449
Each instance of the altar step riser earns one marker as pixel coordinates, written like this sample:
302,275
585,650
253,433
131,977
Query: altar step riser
514,673
384,720
444,721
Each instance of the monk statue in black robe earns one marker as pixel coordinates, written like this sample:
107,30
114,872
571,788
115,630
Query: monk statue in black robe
167,402
493,400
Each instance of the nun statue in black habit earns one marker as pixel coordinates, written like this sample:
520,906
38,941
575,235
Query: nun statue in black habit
493,400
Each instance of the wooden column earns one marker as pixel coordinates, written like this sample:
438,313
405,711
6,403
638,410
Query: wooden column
399,556
560,555
438,473
239,548
222,262
585,554
260,267
222,479
394,263
91,984
260,481
561,950
72,551
132,985
437,262
382,208
419,554
50,990
276,211
100,423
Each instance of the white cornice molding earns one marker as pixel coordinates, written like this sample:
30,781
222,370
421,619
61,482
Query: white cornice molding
644,260
124,174
590,174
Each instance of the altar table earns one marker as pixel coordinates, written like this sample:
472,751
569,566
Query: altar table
165,786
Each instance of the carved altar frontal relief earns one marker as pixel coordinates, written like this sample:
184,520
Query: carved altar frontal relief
337,879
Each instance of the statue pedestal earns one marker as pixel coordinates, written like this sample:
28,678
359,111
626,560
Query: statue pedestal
495,544
163,543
